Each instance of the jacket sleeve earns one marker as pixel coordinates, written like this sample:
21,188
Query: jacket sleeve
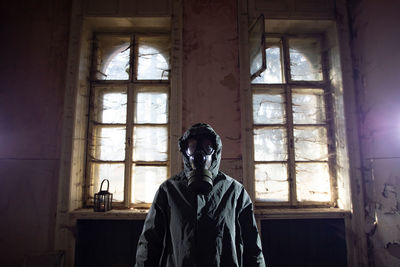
150,243
252,250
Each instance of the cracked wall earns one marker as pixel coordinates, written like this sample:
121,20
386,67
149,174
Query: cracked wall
33,70
383,211
376,57
210,84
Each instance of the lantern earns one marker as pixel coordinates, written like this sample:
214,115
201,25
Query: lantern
103,199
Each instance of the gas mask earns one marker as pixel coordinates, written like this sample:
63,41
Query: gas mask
200,151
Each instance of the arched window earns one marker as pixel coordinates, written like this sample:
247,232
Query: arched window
129,117
293,151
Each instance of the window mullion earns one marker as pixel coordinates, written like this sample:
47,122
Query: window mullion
291,152
129,145
135,61
132,60
129,126
289,121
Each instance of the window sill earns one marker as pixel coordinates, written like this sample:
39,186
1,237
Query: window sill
140,214
315,213
115,214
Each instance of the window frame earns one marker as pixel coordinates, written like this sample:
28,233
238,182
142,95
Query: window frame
287,86
86,19
132,86
257,44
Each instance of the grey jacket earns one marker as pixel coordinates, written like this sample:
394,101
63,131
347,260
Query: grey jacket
185,229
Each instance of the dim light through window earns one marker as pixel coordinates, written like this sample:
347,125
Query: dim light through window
129,117
291,125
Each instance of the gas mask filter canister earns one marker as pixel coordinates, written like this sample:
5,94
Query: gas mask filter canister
200,152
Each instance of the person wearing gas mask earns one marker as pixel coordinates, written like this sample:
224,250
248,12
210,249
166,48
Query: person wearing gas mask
201,216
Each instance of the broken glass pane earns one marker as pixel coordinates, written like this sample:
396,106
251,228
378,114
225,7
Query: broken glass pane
310,143
150,143
270,144
153,58
151,107
256,63
312,182
110,105
305,59
308,106
273,72
109,143
268,109
115,175
145,182
112,57
271,182
256,47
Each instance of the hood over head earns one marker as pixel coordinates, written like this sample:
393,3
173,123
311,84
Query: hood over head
196,130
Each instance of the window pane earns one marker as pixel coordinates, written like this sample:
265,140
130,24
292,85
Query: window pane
113,57
110,105
305,59
270,144
308,106
310,143
273,72
256,63
151,107
256,47
145,182
268,109
153,61
271,182
114,173
118,68
150,143
109,143
312,181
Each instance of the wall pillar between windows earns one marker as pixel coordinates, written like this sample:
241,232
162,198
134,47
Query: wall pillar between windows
210,75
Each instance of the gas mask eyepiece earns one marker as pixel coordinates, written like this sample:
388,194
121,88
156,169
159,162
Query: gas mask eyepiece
200,151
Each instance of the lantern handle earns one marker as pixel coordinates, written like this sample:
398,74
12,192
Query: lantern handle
101,185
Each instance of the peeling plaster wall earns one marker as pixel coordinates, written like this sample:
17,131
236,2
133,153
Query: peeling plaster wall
32,70
210,90
376,59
